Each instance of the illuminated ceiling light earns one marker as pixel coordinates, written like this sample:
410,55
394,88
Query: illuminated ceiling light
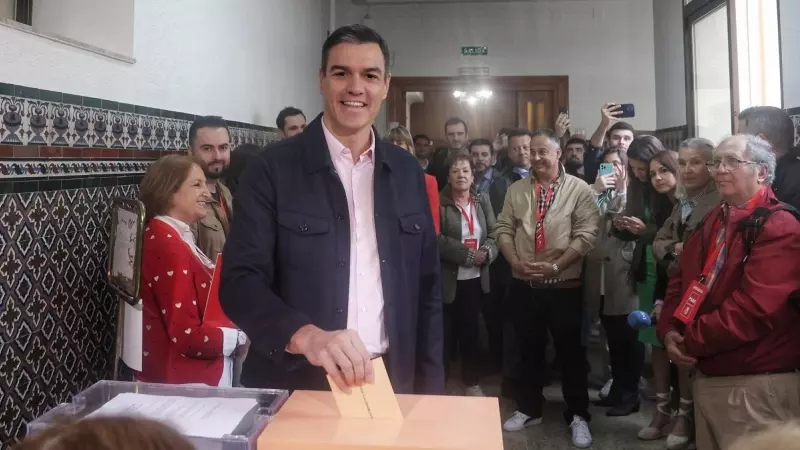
472,100
484,93
458,94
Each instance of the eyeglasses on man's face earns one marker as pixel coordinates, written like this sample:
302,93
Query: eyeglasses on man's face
730,163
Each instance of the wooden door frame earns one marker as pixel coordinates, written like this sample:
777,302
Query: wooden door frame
396,104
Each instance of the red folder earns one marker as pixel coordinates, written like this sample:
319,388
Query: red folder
214,315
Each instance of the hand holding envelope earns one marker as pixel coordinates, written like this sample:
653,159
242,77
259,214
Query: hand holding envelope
341,353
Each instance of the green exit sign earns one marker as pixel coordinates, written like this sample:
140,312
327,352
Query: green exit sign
475,51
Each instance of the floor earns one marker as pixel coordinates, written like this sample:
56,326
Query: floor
609,433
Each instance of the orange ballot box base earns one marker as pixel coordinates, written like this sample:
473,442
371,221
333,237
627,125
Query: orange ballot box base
311,420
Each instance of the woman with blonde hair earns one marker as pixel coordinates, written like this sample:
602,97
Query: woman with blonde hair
401,137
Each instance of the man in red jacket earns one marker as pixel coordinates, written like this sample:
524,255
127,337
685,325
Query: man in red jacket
731,313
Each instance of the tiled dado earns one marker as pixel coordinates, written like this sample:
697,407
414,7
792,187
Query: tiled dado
30,116
57,315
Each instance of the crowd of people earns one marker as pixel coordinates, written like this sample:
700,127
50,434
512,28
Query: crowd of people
346,245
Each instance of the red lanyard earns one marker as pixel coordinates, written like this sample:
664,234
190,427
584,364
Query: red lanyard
719,236
469,217
540,215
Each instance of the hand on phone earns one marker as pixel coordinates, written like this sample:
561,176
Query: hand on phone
609,113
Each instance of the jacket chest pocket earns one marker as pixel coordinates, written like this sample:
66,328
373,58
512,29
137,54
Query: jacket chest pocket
411,228
303,238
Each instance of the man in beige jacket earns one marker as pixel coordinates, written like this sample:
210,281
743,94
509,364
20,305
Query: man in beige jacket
548,224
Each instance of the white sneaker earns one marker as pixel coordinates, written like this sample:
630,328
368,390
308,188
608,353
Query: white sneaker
474,391
606,389
519,421
581,436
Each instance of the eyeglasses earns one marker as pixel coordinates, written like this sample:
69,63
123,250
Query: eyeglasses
728,163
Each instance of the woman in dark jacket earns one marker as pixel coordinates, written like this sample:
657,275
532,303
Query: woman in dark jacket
651,198
466,249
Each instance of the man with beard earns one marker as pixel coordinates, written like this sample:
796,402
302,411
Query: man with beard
573,157
210,148
480,152
457,134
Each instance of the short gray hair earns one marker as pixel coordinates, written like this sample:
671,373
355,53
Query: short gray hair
703,144
549,134
759,151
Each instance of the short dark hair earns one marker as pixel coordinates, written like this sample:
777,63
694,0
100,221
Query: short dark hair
422,136
451,161
774,123
354,34
289,111
517,132
206,122
505,131
455,121
577,140
620,126
480,141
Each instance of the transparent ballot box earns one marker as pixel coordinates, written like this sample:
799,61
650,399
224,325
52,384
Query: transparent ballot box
226,418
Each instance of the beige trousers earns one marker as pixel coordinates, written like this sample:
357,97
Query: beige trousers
728,407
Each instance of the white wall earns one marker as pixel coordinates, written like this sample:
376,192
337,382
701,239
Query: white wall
669,63
790,52
7,9
242,59
604,46
107,24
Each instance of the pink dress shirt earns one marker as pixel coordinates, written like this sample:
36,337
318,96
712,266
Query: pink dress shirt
365,301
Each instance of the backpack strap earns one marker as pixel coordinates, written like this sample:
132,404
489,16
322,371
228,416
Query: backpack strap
752,226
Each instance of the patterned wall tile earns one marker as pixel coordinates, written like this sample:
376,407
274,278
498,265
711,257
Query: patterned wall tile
57,315
25,121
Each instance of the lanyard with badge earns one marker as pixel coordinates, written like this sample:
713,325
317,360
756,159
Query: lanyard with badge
698,289
469,216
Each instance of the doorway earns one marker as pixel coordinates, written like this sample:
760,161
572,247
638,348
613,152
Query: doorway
423,104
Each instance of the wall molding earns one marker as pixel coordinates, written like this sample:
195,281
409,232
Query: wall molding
31,116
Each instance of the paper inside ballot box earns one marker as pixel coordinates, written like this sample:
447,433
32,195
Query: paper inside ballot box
321,420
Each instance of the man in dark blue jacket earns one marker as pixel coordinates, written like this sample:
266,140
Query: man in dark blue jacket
333,259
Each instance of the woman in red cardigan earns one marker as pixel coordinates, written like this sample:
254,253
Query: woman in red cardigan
401,137
177,347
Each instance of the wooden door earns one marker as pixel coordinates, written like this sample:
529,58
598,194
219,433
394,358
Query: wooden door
484,118
535,109
521,101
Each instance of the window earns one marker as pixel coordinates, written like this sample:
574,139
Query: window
758,53
712,81
733,61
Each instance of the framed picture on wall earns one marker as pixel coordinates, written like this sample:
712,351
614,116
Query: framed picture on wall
125,244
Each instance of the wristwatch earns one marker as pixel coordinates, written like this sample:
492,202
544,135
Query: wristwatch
555,268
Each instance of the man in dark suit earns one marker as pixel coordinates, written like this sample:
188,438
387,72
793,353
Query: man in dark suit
333,259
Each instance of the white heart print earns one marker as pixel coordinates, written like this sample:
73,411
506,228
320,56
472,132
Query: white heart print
170,273
187,331
185,272
145,353
205,339
203,285
148,327
178,305
174,339
155,278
